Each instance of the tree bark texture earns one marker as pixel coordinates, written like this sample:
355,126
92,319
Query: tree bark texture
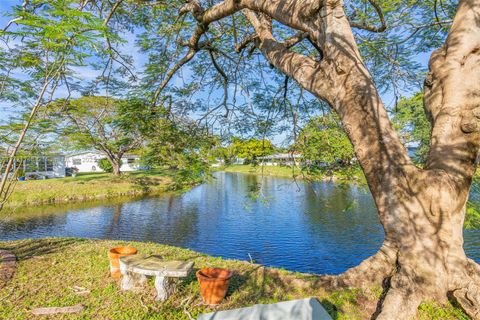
116,162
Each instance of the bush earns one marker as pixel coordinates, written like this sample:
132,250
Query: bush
20,173
105,165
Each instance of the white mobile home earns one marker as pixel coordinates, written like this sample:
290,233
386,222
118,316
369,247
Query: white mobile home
88,161
281,159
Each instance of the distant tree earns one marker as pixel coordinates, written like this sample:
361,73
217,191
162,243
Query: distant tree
111,126
251,149
224,153
39,139
411,122
324,140
179,144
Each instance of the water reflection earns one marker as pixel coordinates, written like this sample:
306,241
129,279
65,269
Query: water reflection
319,227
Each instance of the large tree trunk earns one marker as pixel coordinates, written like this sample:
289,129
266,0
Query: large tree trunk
422,210
116,167
422,257
116,162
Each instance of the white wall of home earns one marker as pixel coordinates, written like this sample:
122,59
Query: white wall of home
88,162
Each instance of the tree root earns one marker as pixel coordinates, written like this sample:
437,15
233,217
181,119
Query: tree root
465,289
370,273
468,295
401,299
399,304
469,300
406,287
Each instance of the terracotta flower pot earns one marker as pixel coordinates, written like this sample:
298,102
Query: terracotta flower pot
114,254
213,284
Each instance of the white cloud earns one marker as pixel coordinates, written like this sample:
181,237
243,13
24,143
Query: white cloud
85,73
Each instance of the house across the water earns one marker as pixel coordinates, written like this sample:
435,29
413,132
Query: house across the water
40,167
281,159
87,161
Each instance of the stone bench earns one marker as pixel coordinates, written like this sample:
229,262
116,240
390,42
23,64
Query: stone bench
136,268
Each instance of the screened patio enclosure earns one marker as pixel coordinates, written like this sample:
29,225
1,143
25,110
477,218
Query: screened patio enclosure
51,166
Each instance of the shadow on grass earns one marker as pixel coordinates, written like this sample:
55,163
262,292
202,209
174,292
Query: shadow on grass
27,249
145,183
330,308
87,177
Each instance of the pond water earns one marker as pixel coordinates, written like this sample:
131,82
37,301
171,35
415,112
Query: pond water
316,227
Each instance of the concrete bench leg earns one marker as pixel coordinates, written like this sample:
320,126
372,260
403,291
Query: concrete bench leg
132,280
165,287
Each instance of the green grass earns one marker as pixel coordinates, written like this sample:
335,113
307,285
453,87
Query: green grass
279,171
92,186
48,269
350,174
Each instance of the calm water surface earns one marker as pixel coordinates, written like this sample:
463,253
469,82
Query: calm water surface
318,227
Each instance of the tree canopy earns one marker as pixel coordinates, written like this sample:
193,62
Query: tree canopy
412,123
111,126
324,140
180,145
250,149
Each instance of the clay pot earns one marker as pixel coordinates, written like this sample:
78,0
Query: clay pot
213,284
114,254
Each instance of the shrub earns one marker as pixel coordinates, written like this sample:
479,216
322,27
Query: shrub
105,165
20,173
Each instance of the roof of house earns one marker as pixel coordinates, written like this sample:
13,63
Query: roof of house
281,156
79,153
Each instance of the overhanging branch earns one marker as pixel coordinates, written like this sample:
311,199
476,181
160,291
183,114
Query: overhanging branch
371,28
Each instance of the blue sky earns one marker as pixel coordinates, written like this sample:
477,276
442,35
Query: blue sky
89,74
5,6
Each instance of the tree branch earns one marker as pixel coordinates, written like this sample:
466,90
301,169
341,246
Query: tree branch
112,11
310,74
339,77
190,54
451,98
298,14
223,75
364,26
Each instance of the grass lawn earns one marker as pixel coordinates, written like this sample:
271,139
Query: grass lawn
353,174
49,269
90,186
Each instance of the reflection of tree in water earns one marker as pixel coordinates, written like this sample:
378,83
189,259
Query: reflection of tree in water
172,221
257,189
112,229
331,197
339,206
241,183
25,222
17,225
